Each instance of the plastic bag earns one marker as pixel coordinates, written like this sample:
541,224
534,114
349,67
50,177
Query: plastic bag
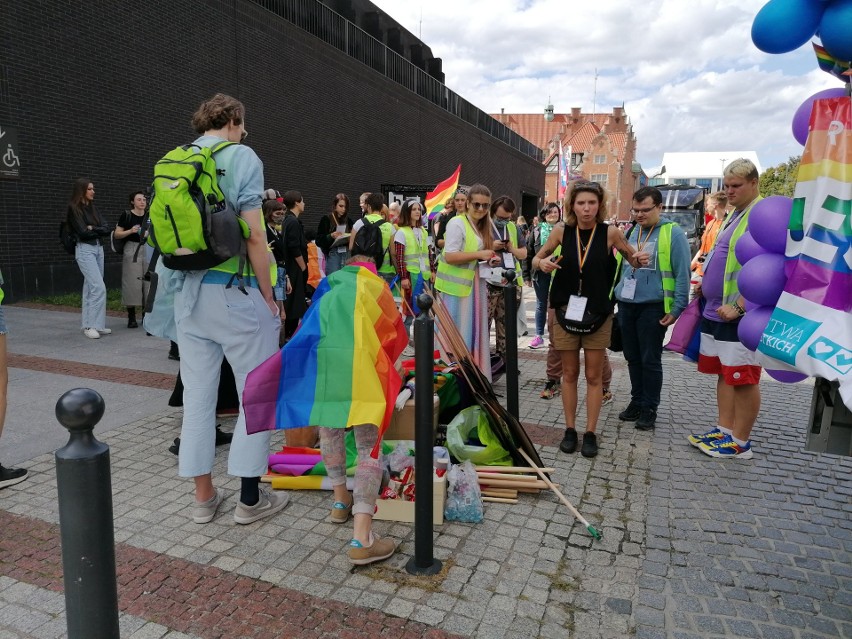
464,501
401,458
473,422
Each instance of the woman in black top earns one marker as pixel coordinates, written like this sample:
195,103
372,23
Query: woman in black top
132,228
296,261
273,214
331,227
581,291
90,229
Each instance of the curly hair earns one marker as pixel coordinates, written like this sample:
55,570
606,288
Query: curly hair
217,112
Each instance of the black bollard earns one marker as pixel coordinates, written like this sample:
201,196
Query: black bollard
423,562
510,301
85,520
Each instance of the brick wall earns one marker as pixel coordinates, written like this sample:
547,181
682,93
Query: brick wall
105,88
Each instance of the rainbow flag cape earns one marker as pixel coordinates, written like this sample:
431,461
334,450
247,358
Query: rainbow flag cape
443,191
830,64
338,370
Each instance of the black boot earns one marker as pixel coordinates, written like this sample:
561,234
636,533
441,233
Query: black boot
131,317
174,352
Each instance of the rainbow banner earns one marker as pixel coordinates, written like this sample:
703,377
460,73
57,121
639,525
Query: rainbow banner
811,327
338,370
443,191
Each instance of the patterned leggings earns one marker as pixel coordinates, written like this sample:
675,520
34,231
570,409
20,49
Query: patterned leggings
368,474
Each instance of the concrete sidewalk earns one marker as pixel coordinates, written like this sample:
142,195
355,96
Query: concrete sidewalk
693,547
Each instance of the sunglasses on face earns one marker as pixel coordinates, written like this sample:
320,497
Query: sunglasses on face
480,205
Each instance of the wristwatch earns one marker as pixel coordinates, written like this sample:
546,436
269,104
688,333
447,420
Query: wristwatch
739,309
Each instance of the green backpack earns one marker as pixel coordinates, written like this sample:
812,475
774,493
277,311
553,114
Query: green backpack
192,225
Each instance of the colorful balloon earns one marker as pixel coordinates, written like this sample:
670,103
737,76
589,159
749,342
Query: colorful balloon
762,279
746,248
752,325
768,222
802,118
835,28
784,25
788,377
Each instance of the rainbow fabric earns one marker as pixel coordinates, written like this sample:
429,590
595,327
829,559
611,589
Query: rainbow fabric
443,191
830,64
338,369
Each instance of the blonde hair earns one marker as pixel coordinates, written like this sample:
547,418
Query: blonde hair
483,225
742,168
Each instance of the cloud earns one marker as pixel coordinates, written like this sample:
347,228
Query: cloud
687,72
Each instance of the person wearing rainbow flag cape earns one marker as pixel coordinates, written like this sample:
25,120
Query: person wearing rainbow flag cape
352,330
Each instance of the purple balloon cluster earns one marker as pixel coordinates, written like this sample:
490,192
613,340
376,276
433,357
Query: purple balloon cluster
782,26
762,279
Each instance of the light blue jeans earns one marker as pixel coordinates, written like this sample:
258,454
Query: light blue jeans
213,321
90,259
335,261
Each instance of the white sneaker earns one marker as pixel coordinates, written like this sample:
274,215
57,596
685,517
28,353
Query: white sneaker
104,331
91,333
270,503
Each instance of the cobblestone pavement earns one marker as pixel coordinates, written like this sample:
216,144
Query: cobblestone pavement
692,547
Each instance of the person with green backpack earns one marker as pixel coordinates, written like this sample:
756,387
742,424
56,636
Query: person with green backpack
206,223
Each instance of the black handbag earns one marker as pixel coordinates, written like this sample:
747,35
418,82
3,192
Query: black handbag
615,344
116,245
590,323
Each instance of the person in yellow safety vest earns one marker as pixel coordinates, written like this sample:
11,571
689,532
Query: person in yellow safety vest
721,352
650,299
413,257
512,250
377,211
467,242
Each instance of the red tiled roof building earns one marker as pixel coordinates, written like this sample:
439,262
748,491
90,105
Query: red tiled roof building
603,149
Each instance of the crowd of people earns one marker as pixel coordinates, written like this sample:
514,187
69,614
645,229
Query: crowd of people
578,265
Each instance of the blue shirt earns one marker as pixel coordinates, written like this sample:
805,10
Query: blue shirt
649,281
242,182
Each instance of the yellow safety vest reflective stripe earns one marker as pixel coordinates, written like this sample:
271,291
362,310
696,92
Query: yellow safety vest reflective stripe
416,253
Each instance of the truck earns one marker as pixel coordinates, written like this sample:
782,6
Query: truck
684,204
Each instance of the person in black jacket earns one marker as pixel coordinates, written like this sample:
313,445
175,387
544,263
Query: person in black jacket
273,214
296,261
90,228
331,227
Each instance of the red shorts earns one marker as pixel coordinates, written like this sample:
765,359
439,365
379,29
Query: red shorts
722,353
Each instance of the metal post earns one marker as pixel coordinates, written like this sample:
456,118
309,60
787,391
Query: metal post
85,520
423,562
510,301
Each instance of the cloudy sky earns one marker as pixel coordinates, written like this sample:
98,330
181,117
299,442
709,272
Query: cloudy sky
686,70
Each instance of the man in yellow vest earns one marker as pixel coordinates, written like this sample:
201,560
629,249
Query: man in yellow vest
650,299
722,353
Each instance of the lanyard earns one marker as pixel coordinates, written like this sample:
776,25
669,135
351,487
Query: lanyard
583,255
639,243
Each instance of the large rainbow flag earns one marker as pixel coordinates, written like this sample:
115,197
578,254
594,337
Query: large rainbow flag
811,327
443,191
338,370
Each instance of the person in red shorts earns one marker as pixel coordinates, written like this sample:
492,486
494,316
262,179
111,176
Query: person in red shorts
721,352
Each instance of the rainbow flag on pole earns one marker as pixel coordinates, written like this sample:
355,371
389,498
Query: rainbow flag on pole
830,64
443,191
338,370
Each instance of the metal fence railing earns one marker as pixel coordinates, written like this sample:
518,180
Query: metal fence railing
329,26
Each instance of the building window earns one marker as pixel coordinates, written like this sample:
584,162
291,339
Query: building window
546,193
600,178
553,165
656,181
576,159
600,159
681,181
707,183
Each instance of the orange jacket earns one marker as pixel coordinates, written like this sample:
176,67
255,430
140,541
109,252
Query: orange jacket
314,273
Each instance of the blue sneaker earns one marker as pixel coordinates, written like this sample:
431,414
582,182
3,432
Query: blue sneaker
706,438
727,447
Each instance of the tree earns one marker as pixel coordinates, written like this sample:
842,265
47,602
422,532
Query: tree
781,179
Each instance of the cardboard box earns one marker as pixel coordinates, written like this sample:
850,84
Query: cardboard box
402,422
399,510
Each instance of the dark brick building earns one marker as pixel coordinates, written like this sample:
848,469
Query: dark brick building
339,97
